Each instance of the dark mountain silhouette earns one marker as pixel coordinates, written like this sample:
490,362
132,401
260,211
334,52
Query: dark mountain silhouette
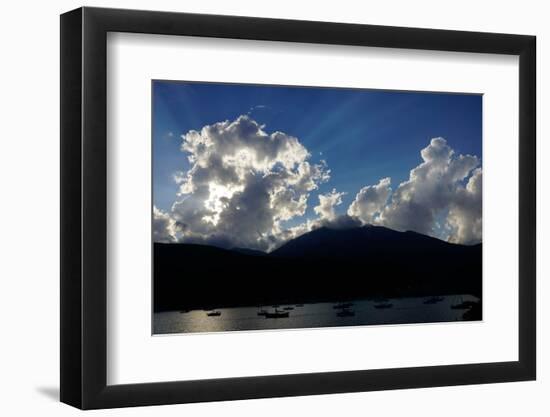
362,241
322,265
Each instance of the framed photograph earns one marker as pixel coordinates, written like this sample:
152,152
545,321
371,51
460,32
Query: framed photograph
258,208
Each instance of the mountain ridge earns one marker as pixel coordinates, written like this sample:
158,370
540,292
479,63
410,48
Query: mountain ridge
378,234
322,265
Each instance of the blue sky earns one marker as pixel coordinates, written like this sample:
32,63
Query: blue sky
363,135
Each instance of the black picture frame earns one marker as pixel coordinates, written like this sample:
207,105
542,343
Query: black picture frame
84,207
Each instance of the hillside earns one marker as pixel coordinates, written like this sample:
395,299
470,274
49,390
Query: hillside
322,265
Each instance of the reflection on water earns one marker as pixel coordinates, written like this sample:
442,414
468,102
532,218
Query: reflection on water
357,313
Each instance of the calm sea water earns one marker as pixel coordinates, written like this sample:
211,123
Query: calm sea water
402,311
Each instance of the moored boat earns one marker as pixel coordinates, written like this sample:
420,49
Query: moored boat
345,313
433,300
277,314
464,305
340,306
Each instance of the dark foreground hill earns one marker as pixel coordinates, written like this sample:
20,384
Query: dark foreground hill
323,265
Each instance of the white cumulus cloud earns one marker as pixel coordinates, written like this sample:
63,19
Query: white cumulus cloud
435,189
370,201
464,217
243,182
327,204
164,227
